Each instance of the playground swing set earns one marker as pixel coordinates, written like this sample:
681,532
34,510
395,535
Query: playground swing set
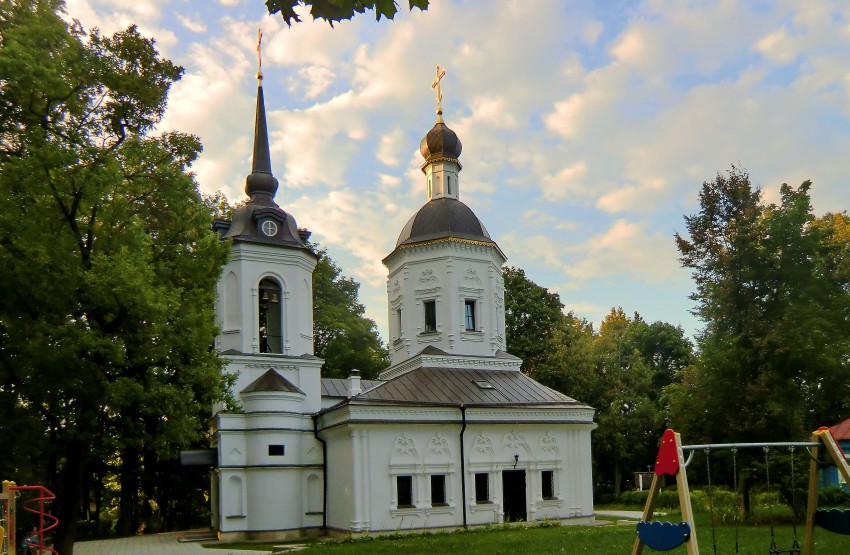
664,536
34,542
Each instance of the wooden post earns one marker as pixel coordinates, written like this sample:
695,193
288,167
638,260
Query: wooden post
812,502
685,499
7,498
648,509
671,461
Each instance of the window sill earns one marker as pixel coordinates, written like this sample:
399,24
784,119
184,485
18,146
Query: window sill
483,507
550,502
235,516
441,509
406,511
429,337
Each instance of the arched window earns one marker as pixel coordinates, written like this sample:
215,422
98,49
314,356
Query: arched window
271,322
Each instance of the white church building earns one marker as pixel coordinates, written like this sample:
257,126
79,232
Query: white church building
451,435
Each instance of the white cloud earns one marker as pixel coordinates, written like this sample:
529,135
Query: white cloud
313,80
194,23
391,148
637,198
568,181
777,46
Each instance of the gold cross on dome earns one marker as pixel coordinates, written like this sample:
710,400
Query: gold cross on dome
259,54
436,85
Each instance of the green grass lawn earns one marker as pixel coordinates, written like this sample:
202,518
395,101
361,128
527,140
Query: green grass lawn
613,539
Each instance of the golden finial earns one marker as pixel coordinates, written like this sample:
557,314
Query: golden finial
436,85
259,54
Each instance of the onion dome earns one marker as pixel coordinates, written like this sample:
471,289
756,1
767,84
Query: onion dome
440,142
440,218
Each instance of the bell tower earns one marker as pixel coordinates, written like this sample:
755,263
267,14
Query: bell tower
265,295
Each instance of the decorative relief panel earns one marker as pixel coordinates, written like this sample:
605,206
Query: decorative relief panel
513,440
482,450
471,276
438,451
404,451
512,444
548,447
428,276
396,287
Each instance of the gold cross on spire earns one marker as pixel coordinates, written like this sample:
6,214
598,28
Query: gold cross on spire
436,85
259,54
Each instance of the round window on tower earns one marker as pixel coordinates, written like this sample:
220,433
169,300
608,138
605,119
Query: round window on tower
269,228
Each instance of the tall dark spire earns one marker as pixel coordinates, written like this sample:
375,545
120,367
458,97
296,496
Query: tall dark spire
261,181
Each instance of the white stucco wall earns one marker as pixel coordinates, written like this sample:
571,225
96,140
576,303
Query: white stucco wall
237,304
364,460
448,273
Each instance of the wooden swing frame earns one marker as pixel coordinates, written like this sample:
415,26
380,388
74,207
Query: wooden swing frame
671,461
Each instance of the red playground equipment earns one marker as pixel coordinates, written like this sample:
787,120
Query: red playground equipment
664,536
34,542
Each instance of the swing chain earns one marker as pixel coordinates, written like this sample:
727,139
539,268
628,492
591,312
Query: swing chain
795,545
735,486
710,499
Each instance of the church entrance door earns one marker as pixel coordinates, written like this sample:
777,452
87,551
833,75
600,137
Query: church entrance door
513,495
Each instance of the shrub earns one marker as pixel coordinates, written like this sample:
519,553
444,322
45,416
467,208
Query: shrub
834,496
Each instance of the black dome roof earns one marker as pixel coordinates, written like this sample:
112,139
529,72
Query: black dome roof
440,142
443,217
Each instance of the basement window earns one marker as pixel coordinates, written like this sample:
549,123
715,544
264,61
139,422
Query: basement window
276,450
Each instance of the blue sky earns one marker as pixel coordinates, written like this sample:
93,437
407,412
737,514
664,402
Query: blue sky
587,127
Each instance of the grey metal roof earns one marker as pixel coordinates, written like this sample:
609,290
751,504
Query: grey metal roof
338,387
271,381
456,386
440,141
443,217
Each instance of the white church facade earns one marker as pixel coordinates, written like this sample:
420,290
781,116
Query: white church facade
450,435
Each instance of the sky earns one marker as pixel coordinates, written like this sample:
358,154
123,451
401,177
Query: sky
588,127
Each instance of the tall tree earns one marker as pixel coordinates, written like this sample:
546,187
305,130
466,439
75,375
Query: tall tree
107,263
342,334
777,320
532,314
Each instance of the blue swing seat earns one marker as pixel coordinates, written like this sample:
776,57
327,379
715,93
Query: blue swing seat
663,536
834,520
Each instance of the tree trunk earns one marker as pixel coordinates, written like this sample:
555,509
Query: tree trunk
618,480
744,487
128,503
69,498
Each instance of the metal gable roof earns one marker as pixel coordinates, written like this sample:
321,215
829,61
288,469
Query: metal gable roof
338,387
457,386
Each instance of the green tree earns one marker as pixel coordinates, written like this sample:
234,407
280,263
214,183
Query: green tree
620,370
107,263
338,10
342,335
776,318
532,314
